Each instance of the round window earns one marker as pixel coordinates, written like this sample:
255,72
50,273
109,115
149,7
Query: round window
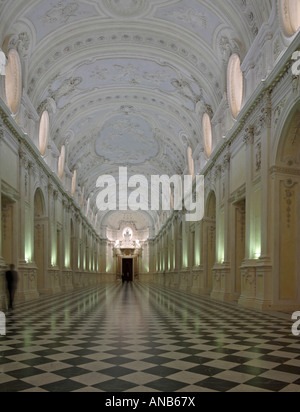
235,82
289,11
207,134
13,81
44,132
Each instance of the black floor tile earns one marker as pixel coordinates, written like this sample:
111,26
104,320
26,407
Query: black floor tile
217,384
62,386
267,384
162,371
166,385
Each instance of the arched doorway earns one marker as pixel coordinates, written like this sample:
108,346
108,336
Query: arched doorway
39,238
210,240
287,215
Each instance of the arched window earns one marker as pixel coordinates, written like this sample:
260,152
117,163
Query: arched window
44,132
13,81
289,11
207,134
191,162
235,84
61,162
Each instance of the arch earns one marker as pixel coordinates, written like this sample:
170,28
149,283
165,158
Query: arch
281,129
210,210
286,153
286,213
209,232
289,13
39,238
39,204
13,81
44,132
235,84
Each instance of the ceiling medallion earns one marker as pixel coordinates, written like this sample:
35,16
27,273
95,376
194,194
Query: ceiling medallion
125,8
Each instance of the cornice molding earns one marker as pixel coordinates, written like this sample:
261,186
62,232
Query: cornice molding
32,154
262,96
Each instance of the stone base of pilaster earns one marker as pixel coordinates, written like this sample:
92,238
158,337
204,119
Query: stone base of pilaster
221,283
27,287
67,280
264,288
256,288
198,281
54,275
185,280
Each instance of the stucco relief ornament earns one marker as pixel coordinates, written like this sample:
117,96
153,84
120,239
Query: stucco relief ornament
125,8
194,18
61,13
185,89
66,88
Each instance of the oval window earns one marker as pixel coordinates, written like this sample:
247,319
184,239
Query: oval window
13,81
207,134
61,162
44,132
191,163
290,16
235,82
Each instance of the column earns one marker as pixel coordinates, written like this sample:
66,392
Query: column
178,250
67,274
27,287
2,263
53,278
264,265
248,280
222,282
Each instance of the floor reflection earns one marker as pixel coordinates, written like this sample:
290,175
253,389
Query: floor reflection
139,337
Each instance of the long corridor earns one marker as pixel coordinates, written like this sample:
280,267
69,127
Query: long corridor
144,338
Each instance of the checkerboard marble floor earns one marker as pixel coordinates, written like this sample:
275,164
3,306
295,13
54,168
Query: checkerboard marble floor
145,338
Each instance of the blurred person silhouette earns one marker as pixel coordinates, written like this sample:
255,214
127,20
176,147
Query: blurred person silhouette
12,282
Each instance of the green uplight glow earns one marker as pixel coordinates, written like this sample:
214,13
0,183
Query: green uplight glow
257,253
27,338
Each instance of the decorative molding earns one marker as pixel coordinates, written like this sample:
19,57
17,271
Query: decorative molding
249,135
284,171
258,157
289,199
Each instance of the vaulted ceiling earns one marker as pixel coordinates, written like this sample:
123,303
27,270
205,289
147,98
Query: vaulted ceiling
125,78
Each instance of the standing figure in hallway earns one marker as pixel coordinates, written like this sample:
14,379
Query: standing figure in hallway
123,278
12,282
